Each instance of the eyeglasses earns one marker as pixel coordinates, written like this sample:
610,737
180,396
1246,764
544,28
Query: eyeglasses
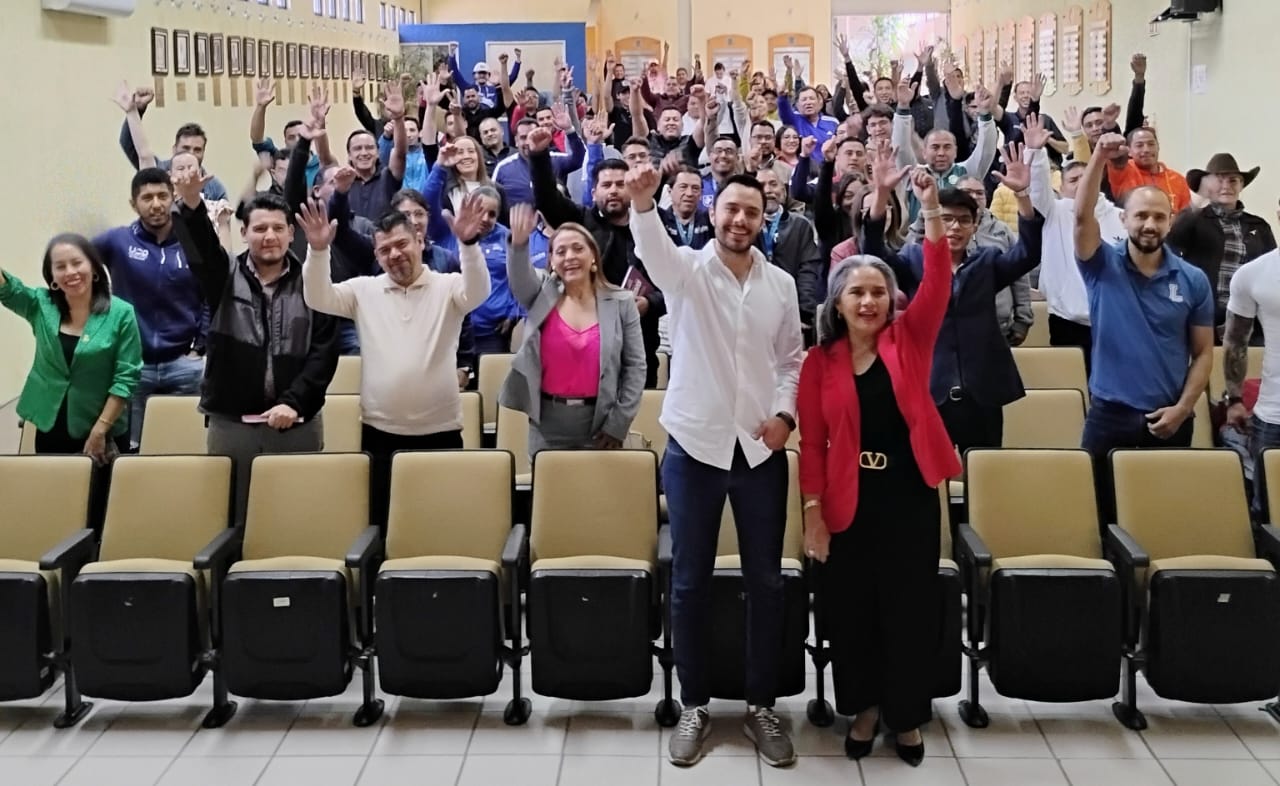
957,221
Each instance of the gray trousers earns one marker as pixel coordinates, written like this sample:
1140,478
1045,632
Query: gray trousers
243,441
562,427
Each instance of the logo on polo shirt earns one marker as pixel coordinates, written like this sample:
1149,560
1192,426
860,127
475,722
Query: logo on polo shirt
1173,293
139,254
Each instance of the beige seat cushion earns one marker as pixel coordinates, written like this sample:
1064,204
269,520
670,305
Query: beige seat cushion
948,564
955,488
734,562
1050,562
592,562
524,480
290,564
441,563
24,566
1208,562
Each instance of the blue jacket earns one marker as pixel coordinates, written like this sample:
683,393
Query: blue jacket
155,279
822,130
512,172
212,190
501,303
416,166
488,93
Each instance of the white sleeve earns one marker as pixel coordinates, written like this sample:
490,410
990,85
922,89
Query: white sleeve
319,291
471,288
788,348
667,265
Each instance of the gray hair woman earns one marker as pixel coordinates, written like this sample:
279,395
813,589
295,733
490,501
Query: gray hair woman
580,372
831,325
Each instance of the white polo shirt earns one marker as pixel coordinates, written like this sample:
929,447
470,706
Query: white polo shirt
408,338
1255,294
736,347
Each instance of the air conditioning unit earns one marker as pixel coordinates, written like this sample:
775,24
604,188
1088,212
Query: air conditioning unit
110,8
1187,10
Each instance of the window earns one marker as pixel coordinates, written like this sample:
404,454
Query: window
359,11
382,15
318,7
413,17
391,18
344,9
282,4
331,8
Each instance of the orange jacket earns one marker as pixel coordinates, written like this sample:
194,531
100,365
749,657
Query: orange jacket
1125,178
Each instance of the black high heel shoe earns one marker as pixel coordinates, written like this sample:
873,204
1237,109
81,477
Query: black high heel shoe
857,749
911,754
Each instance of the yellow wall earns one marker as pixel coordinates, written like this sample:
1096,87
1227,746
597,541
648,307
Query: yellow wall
1235,113
62,159
441,12
713,18
651,18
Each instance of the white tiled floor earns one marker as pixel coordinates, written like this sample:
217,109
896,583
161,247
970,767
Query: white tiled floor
618,744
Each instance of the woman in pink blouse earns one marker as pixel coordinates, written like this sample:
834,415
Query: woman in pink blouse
581,369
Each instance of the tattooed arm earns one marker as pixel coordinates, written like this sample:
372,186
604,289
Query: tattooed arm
1235,364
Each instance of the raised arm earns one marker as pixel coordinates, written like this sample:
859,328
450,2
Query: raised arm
984,153
886,177
433,192
127,100
318,288
459,78
208,260
296,188
666,265
524,279
905,152
1088,235
1036,136
354,246
923,320
1135,115
363,116
1019,260
571,161
556,208
639,126
393,101
473,288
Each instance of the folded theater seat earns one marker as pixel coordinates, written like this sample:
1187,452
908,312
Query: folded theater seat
448,595
729,603
946,675
296,609
140,614
43,544
1202,601
599,577
173,426
1044,611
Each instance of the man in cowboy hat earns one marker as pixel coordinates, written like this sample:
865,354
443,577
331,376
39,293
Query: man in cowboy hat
1221,237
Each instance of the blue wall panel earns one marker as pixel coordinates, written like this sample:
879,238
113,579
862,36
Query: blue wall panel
472,38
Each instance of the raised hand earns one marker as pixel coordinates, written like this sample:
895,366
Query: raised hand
1112,113
829,149
560,116
597,131
313,220
1006,74
503,59
566,78
393,101
466,225
1138,63
1112,146
319,101
986,101
448,155
125,98
807,146
885,172
143,96
539,140
523,220
1017,175
189,186
431,91
1071,120
264,91
357,79
517,51
1038,83
925,187
344,179
787,62
955,88
842,43
905,93
311,132
642,182
1034,134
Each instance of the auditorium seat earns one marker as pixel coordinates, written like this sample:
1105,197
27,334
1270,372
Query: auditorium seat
597,586
44,541
1045,419
1038,335
1203,600
1052,368
472,420
296,608
513,437
342,424
442,631
1044,607
173,425
140,614
1202,429
346,380
492,373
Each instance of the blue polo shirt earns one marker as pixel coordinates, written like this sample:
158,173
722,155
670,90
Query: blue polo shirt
1142,326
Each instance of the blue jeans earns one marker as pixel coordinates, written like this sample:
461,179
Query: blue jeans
181,377
696,495
1109,426
348,338
1262,435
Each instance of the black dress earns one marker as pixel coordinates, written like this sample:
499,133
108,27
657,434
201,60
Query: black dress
881,578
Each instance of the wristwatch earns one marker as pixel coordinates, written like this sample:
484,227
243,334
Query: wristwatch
1233,400
785,418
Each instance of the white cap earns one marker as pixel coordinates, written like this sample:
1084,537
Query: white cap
482,66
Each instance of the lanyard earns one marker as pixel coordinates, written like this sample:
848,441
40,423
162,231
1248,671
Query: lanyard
770,235
686,234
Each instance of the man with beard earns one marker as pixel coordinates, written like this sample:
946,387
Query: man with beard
790,242
1152,315
409,320
608,221
1144,168
664,139
150,272
513,174
270,357
729,410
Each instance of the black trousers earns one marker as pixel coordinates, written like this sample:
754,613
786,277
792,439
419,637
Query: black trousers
880,587
380,446
972,425
1065,333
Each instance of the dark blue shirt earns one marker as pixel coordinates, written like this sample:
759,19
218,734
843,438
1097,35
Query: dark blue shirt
1142,326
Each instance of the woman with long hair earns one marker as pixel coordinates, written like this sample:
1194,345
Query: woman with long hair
459,171
873,449
787,145
580,372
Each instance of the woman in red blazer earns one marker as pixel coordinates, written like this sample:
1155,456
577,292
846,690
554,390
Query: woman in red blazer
873,450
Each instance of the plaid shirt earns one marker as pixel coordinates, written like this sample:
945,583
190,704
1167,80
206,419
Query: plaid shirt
1233,249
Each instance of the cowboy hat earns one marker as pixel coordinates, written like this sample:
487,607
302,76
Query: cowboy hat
1220,164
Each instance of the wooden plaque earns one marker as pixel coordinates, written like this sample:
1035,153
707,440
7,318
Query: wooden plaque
991,58
1047,51
1071,56
1098,48
1026,52
1009,47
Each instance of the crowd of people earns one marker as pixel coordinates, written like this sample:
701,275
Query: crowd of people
855,264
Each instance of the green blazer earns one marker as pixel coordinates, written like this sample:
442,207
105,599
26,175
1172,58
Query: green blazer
107,361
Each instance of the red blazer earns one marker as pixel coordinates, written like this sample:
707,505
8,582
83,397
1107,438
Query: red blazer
827,403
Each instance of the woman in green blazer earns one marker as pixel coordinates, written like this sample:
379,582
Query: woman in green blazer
88,353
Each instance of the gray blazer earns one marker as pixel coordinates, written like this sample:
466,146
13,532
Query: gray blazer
622,360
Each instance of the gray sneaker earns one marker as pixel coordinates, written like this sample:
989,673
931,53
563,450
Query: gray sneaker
764,729
685,746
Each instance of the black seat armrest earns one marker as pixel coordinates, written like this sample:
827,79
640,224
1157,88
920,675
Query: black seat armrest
1267,538
1122,548
971,549
664,547
516,548
223,549
73,553
366,548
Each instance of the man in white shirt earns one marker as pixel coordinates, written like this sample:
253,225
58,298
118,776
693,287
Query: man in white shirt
1060,279
408,319
1255,297
736,355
